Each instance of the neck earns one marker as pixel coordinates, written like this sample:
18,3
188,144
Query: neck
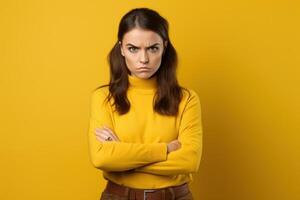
140,83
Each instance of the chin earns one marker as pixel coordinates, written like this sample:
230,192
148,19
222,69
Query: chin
144,75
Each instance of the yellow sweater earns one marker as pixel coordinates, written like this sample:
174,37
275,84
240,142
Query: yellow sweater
140,159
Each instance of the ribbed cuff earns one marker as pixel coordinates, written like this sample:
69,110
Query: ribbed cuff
159,152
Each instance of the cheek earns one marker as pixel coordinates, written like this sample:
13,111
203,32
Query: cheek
156,60
130,61
130,58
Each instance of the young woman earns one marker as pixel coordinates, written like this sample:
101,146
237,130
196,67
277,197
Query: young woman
145,130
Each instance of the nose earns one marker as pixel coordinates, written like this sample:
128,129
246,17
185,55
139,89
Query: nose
144,57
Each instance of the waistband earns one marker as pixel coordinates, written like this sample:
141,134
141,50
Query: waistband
167,193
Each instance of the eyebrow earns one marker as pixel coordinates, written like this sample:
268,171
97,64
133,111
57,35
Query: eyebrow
147,47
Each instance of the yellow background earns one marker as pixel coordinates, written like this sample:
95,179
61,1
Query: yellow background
242,57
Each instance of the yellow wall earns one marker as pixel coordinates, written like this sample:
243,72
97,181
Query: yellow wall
242,57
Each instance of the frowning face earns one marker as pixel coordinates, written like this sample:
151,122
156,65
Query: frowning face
142,50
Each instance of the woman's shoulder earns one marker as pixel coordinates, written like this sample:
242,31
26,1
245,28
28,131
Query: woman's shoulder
190,100
189,94
101,90
100,93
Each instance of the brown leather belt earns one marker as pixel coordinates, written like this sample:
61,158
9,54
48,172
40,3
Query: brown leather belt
168,193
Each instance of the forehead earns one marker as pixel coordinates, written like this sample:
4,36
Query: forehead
139,37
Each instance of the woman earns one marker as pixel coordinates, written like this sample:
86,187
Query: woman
145,130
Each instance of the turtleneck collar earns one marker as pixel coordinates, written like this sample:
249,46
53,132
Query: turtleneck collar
140,83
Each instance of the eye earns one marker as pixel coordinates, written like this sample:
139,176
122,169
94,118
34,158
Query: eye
154,49
132,49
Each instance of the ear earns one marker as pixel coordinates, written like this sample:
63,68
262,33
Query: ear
122,52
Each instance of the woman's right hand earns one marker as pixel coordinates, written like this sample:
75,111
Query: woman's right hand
103,133
173,146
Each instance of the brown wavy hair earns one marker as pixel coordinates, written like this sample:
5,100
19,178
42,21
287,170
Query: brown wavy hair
169,93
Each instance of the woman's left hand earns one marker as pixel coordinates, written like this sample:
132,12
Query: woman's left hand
105,134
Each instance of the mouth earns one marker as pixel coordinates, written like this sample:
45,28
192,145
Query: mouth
143,69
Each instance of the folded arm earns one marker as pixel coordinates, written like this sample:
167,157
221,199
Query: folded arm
117,156
187,158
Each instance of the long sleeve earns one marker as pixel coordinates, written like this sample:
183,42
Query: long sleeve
112,155
187,158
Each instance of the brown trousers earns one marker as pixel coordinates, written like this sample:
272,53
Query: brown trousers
108,196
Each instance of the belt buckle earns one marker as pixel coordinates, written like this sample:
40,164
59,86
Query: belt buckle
146,191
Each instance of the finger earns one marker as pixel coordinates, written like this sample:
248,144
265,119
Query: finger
98,132
178,143
101,131
112,133
107,132
104,134
101,138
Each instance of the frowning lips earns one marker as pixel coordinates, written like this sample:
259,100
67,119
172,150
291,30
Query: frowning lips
143,69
